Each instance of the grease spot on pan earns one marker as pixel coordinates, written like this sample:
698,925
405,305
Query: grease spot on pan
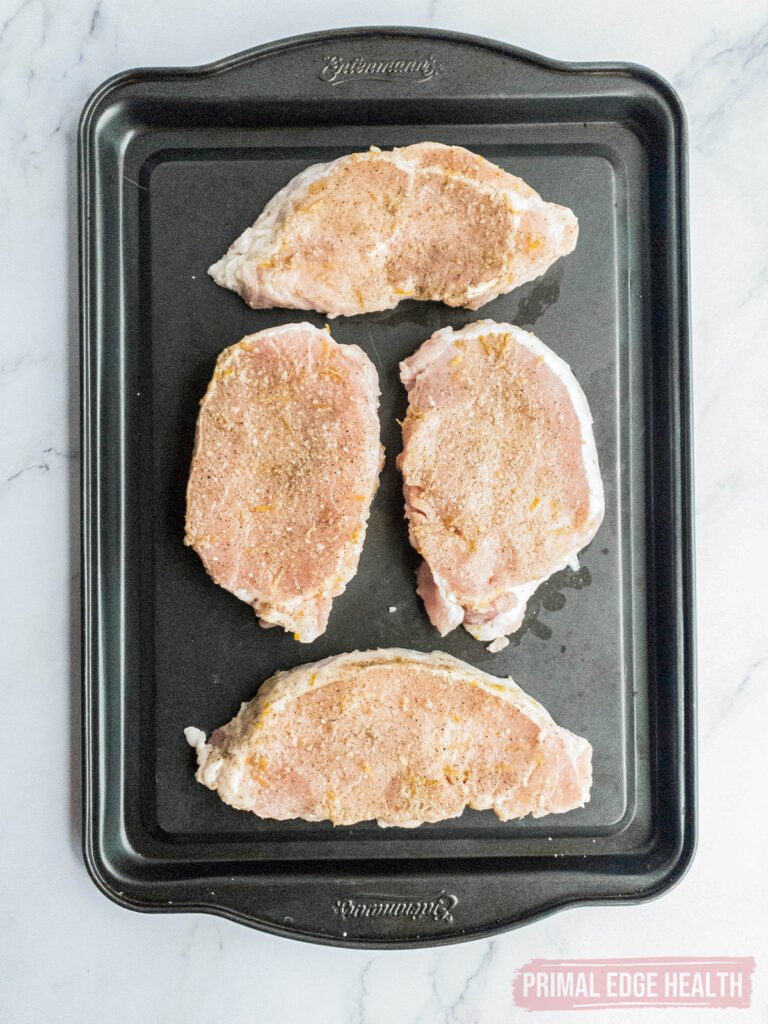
550,598
537,299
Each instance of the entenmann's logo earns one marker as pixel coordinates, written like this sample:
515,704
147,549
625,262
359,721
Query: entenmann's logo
437,909
338,70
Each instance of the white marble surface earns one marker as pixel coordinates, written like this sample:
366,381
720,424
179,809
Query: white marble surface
66,953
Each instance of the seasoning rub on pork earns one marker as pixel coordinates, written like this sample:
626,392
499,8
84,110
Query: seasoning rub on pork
365,231
285,466
395,736
500,473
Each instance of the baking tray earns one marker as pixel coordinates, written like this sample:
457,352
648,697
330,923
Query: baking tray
173,165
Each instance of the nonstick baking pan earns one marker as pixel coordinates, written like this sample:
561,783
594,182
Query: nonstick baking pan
173,165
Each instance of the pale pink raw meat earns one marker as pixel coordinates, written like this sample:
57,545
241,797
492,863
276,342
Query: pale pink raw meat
396,736
286,463
423,222
500,473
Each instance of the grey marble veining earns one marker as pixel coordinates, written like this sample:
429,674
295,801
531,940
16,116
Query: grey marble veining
66,953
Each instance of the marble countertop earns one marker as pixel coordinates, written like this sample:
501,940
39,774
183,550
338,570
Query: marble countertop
67,953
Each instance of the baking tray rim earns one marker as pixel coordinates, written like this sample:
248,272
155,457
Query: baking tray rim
627,69
679,861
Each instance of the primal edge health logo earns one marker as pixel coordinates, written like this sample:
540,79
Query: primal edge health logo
338,70
705,982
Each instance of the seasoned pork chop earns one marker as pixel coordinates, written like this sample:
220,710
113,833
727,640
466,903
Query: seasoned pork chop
286,463
423,222
397,736
500,473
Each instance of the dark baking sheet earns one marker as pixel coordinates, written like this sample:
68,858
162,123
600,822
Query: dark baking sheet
174,164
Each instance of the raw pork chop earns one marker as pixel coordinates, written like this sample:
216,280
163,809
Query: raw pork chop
286,463
500,473
367,230
395,735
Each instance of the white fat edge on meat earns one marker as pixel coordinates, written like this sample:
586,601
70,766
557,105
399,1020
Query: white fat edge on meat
262,240
510,621
285,687
497,645
208,766
451,602
432,349
292,616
